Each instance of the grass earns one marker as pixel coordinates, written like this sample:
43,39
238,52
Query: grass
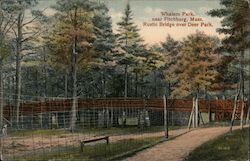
230,146
98,152
94,131
48,132
124,130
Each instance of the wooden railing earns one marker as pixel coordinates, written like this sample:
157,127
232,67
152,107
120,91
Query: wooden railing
28,108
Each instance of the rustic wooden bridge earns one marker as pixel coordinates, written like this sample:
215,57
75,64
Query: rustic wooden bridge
222,109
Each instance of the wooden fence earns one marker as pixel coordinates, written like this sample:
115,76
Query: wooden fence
221,108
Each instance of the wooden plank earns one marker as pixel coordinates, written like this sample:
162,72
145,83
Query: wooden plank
82,143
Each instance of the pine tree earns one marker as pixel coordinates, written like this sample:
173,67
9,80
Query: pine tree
227,77
235,25
104,45
130,42
24,30
171,50
74,34
154,65
6,22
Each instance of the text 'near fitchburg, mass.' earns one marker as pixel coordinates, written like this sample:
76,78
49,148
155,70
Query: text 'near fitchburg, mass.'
177,19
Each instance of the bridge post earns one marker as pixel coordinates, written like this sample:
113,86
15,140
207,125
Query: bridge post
242,113
248,112
165,116
209,111
196,112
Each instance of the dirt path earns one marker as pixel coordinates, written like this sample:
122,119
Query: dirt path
178,148
172,133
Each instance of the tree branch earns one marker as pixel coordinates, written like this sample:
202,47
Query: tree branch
32,20
14,32
30,37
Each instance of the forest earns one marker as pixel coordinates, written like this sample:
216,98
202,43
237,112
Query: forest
75,53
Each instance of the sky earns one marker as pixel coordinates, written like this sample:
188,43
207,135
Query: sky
144,10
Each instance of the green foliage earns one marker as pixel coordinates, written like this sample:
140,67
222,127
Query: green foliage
230,146
128,39
66,28
235,25
154,58
227,77
4,51
170,50
195,68
235,14
103,57
133,54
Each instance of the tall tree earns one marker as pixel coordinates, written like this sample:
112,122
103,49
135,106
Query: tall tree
25,29
154,64
171,50
7,20
195,69
75,29
129,41
104,44
227,77
235,25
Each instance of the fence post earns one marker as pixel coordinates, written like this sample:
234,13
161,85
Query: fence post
165,116
191,119
209,111
196,112
242,113
234,111
112,113
41,111
1,144
248,111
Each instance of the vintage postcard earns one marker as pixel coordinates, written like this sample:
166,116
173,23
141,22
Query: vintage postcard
134,80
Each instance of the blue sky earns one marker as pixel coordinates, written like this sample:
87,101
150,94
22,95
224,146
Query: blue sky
145,10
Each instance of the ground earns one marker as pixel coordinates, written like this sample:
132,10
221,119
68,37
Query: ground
179,148
57,144
227,147
27,142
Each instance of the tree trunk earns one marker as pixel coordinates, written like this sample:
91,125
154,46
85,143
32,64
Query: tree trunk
126,82
242,113
1,92
74,74
197,111
169,89
242,87
209,111
45,74
155,86
1,83
248,110
74,95
247,117
104,93
37,84
66,83
18,65
136,84
191,120
235,107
